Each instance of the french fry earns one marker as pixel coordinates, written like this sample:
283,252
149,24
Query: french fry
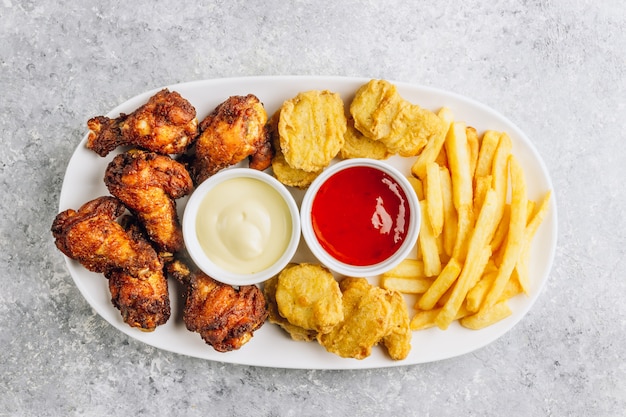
473,145
499,172
427,244
478,255
476,295
406,285
465,222
516,234
408,268
433,195
486,317
502,230
433,148
450,220
482,185
418,187
426,319
487,150
521,267
448,276
459,165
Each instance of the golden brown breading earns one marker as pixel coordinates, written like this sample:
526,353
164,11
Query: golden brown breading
234,131
135,272
380,113
311,128
166,124
397,339
367,314
286,174
93,237
308,296
225,317
148,184
374,107
143,302
357,145
296,332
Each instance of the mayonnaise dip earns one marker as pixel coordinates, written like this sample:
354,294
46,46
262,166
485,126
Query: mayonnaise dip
243,225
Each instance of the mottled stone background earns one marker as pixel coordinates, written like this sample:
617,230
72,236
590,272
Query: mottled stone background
556,68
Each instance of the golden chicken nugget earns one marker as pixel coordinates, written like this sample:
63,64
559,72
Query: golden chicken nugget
380,113
308,296
296,332
398,337
374,107
311,129
412,129
367,315
290,176
357,145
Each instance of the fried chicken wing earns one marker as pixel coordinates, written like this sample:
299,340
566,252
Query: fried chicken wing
92,236
234,131
166,124
148,184
143,302
137,283
225,317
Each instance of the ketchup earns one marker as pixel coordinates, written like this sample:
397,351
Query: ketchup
360,216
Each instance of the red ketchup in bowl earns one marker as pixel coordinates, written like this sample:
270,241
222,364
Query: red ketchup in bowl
360,215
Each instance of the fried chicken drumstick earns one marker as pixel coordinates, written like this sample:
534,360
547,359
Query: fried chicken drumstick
93,237
148,183
234,131
225,317
166,124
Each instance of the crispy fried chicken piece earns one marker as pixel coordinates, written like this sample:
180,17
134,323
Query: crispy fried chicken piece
166,124
148,183
225,317
143,301
93,237
234,131
137,283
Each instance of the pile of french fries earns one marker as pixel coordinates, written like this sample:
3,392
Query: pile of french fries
476,231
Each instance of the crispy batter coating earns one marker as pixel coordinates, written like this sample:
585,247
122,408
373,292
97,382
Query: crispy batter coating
234,131
135,272
374,107
380,113
225,317
93,237
143,302
311,128
397,339
148,184
308,296
296,332
166,124
357,145
284,172
367,315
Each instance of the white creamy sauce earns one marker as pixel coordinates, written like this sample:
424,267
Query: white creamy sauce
243,225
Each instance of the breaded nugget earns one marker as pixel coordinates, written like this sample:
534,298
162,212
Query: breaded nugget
367,315
296,332
374,107
311,128
357,145
308,296
411,130
285,173
380,113
398,337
